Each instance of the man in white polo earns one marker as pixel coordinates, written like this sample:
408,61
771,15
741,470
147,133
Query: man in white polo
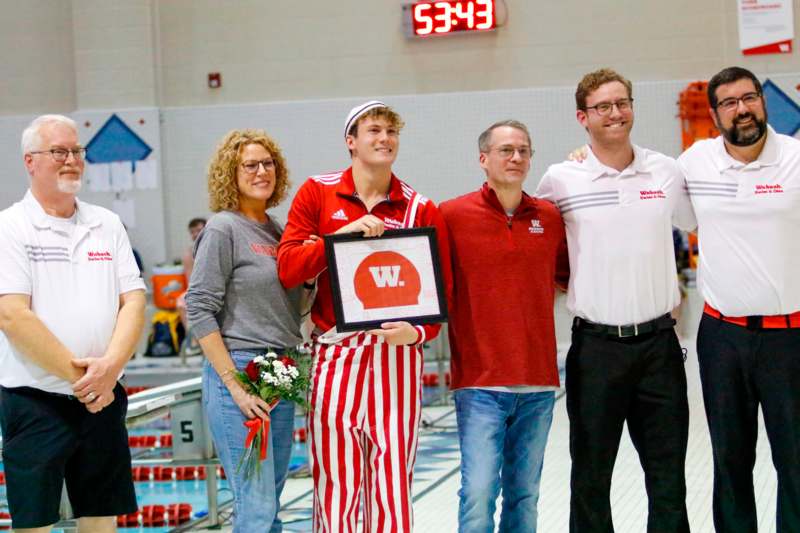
71,311
625,363
745,188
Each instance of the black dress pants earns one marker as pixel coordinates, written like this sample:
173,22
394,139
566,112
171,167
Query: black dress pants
639,380
741,368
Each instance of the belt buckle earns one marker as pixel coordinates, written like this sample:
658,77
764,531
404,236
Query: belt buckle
622,336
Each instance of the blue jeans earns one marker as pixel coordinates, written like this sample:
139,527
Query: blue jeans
502,437
256,500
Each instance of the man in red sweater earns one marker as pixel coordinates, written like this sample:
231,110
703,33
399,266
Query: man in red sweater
508,253
366,386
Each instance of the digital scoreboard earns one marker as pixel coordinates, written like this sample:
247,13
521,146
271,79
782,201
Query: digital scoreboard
424,19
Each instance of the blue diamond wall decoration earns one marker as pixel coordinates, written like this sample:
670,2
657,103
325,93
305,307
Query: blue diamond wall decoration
784,113
116,141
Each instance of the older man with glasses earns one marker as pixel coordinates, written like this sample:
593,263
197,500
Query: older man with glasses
71,310
510,251
625,364
745,189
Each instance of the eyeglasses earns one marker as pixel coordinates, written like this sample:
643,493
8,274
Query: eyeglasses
730,104
507,152
251,167
60,155
604,108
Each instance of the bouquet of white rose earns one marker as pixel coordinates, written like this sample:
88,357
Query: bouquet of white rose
272,377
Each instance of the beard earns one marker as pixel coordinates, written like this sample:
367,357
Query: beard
68,186
745,136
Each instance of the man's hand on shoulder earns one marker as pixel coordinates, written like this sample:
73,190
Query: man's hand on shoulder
96,388
369,225
579,155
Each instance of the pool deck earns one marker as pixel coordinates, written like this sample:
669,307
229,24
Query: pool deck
437,478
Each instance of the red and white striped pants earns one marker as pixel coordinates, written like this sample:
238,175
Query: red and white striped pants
365,410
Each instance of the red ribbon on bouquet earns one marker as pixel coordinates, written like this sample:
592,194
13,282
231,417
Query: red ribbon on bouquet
256,426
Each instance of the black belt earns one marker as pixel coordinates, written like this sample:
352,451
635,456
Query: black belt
33,391
628,330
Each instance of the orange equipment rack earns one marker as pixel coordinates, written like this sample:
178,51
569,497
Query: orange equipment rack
696,124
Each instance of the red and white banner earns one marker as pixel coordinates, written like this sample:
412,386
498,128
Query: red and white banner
765,26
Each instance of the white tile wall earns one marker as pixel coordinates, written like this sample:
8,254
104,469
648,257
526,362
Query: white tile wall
114,56
36,59
438,152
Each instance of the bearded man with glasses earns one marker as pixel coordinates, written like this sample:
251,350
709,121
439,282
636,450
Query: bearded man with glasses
745,189
625,363
71,312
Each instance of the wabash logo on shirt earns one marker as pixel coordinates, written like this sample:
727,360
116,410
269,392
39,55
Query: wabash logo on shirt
536,226
99,256
392,223
264,249
651,194
386,279
769,189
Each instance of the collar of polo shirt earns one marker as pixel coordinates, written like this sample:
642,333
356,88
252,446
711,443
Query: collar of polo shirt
599,170
770,155
39,217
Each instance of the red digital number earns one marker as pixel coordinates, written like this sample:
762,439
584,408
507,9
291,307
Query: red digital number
449,16
466,11
421,18
443,17
487,13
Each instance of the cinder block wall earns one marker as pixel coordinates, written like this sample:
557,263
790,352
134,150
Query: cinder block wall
87,54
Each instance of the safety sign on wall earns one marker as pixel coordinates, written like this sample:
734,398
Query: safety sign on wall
765,26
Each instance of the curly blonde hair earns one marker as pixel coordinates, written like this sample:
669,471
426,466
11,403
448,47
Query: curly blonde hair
223,191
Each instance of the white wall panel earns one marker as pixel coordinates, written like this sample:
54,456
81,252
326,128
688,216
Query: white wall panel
438,150
14,177
438,153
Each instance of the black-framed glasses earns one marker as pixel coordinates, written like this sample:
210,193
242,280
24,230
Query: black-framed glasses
60,155
507,151
604,108
748,99
251,167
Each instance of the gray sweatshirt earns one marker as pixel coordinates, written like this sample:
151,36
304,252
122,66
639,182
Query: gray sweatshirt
235,288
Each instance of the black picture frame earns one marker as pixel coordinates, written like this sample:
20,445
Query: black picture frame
348,317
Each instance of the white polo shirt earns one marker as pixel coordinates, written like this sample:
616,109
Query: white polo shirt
748,218
74,282
619,235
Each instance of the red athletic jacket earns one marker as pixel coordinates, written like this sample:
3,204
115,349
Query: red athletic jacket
505,270
324,204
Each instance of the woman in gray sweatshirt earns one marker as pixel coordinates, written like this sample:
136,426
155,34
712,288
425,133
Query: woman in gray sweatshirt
237,309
